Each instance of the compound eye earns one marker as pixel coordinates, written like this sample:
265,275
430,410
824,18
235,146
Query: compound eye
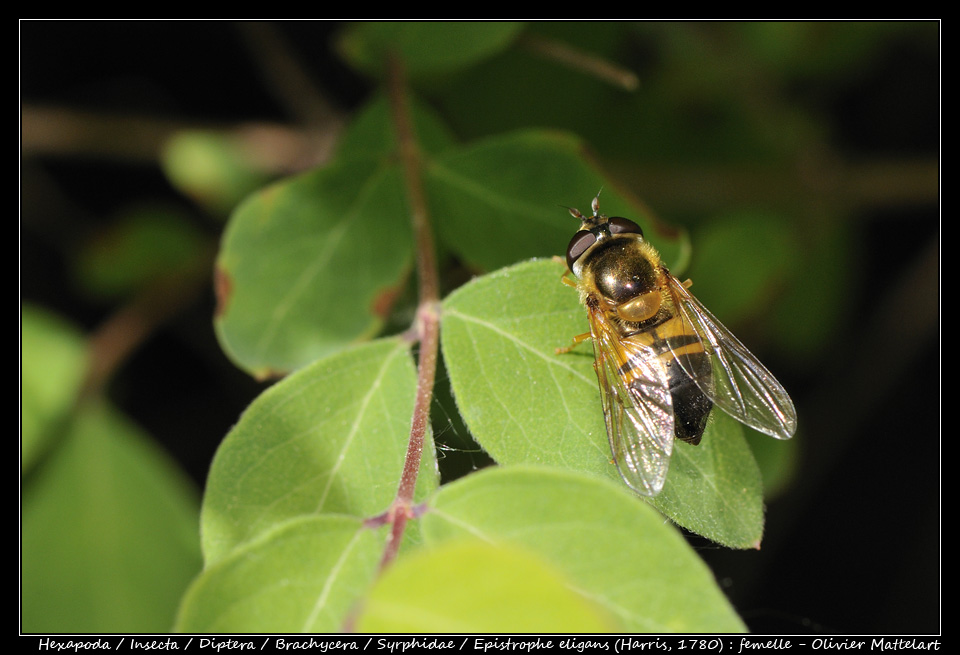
619,225
578,245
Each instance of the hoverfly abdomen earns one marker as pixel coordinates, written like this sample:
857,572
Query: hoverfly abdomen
662,360
668,340
691,407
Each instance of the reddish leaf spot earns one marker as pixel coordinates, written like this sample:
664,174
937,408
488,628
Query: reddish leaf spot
222,287
384,300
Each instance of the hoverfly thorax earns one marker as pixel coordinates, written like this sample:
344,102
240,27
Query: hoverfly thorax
611,258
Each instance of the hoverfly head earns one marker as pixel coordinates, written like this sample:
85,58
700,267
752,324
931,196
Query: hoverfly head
596,228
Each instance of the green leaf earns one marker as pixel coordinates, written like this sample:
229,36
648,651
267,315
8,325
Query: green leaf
330,438
777,460
299,274
836,248
527,85
313,263
213,168
498,589
610,548
426,48
502,199
372,136
143,245
109,540
742,261
53,364
304,575
715,488
525,404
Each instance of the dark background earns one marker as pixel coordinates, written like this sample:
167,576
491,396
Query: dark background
853,546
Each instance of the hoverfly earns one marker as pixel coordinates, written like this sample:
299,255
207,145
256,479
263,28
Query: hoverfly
662,360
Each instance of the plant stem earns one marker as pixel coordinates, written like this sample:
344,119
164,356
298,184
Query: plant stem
112,343
427,326
285,76
63,133
581,60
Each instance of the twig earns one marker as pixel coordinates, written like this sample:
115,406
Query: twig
285,76
578,59
64,132
123,332
428,318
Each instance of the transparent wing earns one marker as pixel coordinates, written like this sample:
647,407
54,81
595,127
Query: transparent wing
637,407
736,381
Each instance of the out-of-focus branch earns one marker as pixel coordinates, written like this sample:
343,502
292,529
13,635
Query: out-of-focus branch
282,73
581,60
112,343
69,133
827,183
62,132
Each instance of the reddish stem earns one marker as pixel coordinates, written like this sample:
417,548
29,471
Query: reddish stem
427,326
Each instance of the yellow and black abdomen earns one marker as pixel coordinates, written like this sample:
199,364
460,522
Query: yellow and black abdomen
669,338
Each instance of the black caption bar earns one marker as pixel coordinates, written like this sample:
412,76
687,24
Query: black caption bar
397,644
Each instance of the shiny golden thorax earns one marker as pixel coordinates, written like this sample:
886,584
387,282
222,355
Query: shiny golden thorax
619,269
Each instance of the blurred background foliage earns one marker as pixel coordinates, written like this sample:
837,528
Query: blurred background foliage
802,158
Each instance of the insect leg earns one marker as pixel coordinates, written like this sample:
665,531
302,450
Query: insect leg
577,340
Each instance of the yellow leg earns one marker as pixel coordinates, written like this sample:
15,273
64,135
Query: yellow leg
566,280
577,340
